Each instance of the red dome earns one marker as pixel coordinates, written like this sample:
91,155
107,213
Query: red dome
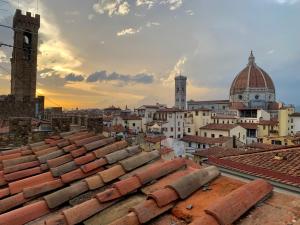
252,77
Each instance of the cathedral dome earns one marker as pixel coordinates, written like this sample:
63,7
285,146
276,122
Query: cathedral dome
252,78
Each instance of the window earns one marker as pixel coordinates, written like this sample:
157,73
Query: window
172,129
196,113
199,146
240,97
190,144
205,134
220,135
196,133
178,136
133,124
179,129
212,135
189,130
256,97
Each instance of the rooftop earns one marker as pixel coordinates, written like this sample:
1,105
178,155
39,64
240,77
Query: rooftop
214,126
205,140
74,178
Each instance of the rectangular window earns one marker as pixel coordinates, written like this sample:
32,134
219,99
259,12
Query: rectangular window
189,130
212,135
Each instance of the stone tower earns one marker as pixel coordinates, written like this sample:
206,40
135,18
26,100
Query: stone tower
24,56
180,92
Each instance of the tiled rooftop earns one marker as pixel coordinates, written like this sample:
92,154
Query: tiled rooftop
215,126
205,140
84,177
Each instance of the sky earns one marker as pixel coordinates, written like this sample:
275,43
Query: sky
127,52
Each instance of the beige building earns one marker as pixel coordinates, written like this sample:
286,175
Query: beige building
195,119
224,130
132,123
284,120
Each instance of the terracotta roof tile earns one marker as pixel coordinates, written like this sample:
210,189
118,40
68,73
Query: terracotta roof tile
112,173
139,160
42,188
84,141
129,219
46,151
78,152
164,196
160,170
98,144
24,214
10,156
22,174
94,182
17,186
78,174
65,168
69,148
93,165
101,152
83,211
148,210
122,154
51,155
59,160
128,185
59,197
11,202
85,159
193,181
16,161
4,192
21,166
228,209
108,195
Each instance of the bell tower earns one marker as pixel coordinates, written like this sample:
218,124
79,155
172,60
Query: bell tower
24,56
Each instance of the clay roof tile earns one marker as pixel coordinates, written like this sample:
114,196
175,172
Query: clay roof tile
229,208
148,210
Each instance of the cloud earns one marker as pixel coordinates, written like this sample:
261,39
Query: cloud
132,31
129,31
112,7
172,4
104,76
3,57
150,24
91,16
73,77
177,69
190,12
148,3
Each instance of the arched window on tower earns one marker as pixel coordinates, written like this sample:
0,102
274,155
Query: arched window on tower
27,45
